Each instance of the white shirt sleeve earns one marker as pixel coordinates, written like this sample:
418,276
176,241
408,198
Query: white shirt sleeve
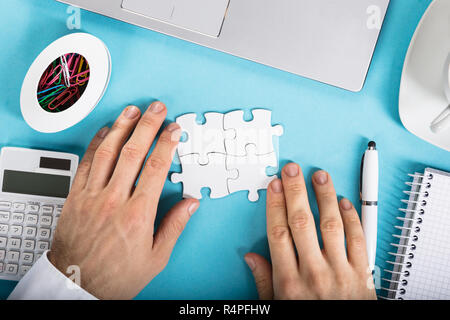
44,282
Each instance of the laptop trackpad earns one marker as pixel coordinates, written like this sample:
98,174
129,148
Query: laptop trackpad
203,16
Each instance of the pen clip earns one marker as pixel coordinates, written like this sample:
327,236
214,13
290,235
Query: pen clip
361,176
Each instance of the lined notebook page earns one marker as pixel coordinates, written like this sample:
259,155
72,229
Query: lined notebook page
430,270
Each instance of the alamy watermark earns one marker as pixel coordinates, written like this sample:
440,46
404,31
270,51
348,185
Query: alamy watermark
374,19
73,22
73,281
204,141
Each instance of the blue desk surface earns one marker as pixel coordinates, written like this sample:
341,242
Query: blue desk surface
325,127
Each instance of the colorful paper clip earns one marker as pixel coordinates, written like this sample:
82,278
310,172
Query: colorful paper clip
63,82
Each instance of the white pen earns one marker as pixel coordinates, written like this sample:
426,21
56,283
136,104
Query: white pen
369,200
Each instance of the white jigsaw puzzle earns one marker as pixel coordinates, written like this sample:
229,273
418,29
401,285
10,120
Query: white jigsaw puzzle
227,154
203,139
258,132
252,172
212,175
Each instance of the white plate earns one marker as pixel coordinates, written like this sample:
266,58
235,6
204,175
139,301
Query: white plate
99,59
422,97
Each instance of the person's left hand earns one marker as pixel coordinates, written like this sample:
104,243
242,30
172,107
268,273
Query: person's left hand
334,272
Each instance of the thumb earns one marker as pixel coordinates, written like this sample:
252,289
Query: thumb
262,272
172,226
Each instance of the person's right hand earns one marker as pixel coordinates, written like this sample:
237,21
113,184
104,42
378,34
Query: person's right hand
106,228
330,273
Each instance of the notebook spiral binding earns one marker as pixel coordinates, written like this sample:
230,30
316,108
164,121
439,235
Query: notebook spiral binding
413,216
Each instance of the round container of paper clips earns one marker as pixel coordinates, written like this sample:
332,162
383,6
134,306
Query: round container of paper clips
65,82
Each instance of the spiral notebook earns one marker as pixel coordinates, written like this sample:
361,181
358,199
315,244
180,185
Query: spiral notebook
421,261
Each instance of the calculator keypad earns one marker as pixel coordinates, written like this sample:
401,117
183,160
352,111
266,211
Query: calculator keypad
26,231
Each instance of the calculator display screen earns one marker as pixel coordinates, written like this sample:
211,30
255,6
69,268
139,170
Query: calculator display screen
38,184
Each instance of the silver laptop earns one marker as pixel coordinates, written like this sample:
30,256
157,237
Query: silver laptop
331,41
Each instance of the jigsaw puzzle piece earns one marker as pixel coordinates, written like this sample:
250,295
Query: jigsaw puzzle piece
202,139
213,175
258,132
252,172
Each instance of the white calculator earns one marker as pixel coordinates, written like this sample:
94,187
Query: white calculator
34,186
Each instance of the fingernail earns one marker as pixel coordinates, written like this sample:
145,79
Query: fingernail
291,170
175,131
173,126
321,177
103,132
176,135
346,204
277,186
131,112
250,262
193,207
156,107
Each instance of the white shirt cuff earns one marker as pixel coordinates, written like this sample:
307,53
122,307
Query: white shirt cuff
44,282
